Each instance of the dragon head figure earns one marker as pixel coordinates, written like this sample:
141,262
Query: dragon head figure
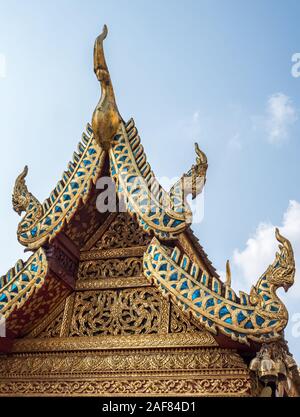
21,196
282,272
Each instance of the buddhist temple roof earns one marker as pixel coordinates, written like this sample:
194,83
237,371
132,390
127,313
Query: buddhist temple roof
174,260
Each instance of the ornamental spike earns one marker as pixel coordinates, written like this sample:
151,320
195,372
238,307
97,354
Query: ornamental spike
228,274
106,118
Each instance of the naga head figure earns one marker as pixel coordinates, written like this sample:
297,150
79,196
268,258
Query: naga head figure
194,180
23,200
21,196
201,161
282,272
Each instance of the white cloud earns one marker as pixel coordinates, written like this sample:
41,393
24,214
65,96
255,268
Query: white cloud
235,142
190,127
260,249
196,116
280,115
2,66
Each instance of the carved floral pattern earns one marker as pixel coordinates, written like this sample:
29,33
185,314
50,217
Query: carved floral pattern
200,359
53,329
132,386
123,232
129,311
127,267
179,323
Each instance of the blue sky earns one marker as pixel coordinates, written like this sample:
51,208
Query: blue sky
218,72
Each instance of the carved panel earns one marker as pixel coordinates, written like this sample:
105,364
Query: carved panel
113,253
124,362
146,341
119,312
180,371
123,232
55,253
53,329
101,268
131,386
179,323
112,283
50,322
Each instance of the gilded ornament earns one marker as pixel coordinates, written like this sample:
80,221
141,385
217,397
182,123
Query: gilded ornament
106,118
259,317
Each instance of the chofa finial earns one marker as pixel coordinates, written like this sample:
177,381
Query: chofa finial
23,200
20,193
201,161
106,118
282,272
99,58
201,158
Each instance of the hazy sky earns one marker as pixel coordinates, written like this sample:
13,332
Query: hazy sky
218,72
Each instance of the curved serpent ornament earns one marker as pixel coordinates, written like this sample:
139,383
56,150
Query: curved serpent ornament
260,316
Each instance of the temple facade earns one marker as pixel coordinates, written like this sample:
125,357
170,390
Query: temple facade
125,301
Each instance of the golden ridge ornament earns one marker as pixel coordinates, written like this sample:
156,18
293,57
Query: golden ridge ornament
106,118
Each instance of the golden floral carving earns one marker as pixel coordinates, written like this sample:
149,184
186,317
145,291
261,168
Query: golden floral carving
112,283
144,341
133,386
53,330
110,312
93,239
123,232
98,269
179,323
113,253
124,362
67,317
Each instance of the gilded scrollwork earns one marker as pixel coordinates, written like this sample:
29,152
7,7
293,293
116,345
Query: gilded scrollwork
131,386
112,253
53,329
50,322
135,341
126,267
123,362
112,283
137,372
128,311
123,232
179,323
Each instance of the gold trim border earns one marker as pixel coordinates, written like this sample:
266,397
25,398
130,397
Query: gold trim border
57,344
95,254
110,387
112,283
